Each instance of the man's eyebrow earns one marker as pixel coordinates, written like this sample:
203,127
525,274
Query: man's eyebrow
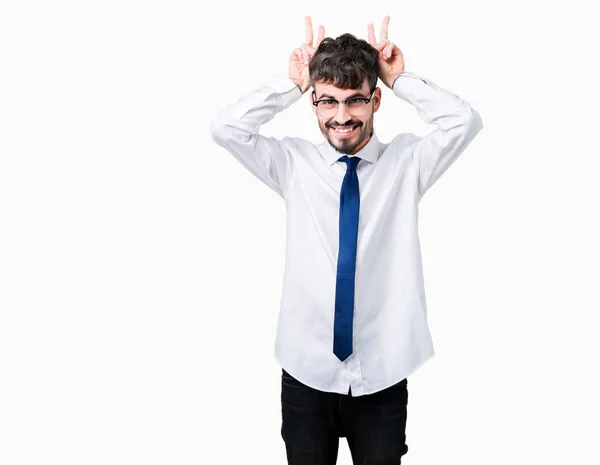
356,94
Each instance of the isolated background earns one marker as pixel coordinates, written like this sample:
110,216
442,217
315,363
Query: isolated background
141,265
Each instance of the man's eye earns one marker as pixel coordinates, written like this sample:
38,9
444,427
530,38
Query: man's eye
354,100
329,102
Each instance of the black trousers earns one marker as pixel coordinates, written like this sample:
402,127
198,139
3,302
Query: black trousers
313,421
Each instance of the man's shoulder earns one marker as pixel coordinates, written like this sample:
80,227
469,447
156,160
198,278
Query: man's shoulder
404,138
404,141
301,146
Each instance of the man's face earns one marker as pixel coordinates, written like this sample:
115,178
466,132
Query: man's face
352,142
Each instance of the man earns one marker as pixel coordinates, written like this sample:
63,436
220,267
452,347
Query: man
353,323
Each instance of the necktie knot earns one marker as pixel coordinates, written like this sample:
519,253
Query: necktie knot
351,162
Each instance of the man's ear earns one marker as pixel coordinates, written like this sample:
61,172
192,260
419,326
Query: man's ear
313,97
376,99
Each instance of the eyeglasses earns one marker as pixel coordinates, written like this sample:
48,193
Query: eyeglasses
356,106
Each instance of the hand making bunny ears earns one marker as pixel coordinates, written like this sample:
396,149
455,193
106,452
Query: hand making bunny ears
301,56
308,50
391,60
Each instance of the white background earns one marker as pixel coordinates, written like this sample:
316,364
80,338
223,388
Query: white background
141,265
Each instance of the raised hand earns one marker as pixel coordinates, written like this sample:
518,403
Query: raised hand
300,57
391,60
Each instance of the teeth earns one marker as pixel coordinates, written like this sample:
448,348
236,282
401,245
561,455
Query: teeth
344,130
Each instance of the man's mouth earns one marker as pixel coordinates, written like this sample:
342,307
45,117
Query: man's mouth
344,130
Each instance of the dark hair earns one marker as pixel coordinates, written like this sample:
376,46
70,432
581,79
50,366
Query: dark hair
345,62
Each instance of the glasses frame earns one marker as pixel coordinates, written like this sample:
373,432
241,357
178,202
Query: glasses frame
366,100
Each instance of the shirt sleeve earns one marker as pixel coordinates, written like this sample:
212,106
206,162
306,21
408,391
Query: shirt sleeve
457,124
236,129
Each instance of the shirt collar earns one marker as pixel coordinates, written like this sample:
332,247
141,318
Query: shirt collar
369,152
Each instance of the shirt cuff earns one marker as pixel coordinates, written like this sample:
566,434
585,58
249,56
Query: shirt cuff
407,74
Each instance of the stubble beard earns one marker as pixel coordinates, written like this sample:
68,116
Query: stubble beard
346,146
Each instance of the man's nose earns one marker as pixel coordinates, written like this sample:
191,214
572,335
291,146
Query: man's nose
342,114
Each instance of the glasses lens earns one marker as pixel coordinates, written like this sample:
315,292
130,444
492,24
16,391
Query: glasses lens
328,108
356,107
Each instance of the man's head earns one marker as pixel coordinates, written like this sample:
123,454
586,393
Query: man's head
341,69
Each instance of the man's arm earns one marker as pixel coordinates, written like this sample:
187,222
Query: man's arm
457,124
236,129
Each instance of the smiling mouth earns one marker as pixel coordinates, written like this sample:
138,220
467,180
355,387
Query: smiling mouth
345,130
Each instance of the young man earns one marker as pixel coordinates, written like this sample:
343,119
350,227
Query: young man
353,323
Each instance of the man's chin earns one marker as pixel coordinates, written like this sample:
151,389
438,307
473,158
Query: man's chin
342,148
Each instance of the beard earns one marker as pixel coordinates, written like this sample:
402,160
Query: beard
348,145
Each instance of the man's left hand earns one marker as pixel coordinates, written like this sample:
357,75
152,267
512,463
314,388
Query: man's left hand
391,60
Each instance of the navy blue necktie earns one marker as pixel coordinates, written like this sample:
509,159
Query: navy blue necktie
346,267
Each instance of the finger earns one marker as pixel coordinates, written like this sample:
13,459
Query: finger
309,31
321,35
387,50
384,29
304,55
372,39
310,50
379,47
391,48
296,55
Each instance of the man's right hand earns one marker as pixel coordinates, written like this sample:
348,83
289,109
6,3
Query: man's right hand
300,57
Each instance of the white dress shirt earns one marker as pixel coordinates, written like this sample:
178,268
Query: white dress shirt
391,337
